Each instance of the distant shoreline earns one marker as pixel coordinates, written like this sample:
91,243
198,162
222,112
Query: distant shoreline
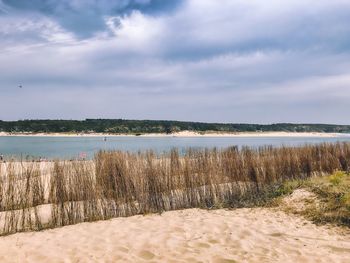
183,134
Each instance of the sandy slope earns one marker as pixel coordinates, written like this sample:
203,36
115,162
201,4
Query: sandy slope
243,235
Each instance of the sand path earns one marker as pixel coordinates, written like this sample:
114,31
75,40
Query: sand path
242,235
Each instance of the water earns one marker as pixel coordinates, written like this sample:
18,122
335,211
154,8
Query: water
72,147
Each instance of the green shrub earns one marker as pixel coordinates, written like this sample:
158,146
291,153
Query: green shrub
287,187
336,178
345,200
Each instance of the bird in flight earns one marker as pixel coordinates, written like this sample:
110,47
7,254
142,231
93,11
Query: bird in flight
20,86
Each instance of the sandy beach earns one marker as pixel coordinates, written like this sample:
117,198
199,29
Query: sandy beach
241,235
192,235
186,134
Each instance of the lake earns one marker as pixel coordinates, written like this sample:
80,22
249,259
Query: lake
72,147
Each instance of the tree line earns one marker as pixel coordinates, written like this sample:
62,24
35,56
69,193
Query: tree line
156,126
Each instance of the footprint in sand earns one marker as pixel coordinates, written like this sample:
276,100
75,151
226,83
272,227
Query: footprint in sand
213,241
244,234
178,230
123,249
276,234
147,255
224,260
203,245
339,249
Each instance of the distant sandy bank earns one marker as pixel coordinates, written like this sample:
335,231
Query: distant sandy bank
185,134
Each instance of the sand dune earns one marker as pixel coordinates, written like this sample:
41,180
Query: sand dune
241,235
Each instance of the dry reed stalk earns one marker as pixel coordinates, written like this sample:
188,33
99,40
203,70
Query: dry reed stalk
123,184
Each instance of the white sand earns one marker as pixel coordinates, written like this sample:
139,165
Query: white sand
242,235
187,134
253,134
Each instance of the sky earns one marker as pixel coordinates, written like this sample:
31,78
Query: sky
233,61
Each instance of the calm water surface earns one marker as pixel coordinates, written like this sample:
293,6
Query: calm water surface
71,147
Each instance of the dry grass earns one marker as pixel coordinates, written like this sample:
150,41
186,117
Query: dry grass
122,184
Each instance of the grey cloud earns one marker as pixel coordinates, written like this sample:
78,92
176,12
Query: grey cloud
233,61
86,17
245,27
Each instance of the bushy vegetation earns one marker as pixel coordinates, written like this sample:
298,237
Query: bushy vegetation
332,202
35,196
334,197
153,126
336,178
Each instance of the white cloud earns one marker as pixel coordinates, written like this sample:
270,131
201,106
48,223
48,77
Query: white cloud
210,60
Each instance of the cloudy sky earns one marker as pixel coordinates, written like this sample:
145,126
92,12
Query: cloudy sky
201,60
